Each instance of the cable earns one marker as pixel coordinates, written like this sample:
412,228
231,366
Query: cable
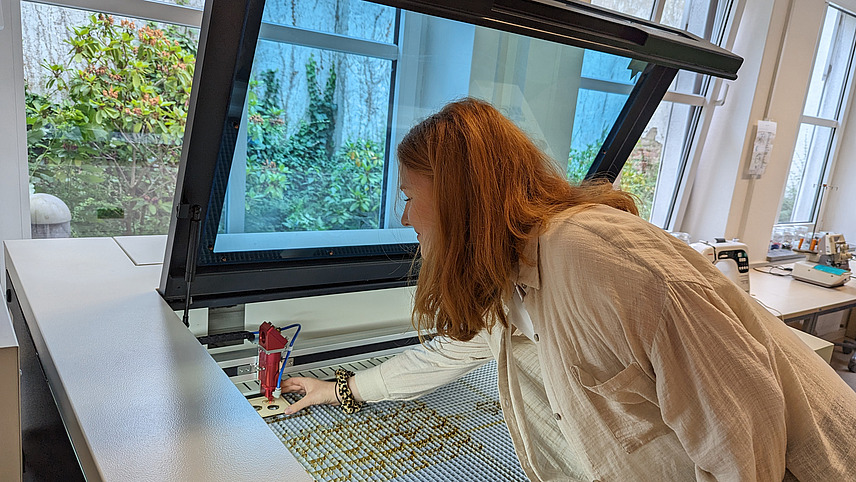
770,271
277,392
770,308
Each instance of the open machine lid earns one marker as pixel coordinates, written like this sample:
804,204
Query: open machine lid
283,195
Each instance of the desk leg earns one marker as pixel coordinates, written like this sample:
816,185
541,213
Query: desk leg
810,324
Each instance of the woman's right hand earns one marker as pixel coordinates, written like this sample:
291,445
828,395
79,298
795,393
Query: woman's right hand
315,392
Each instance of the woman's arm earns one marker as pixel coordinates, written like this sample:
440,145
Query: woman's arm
408,375
715,385
717,389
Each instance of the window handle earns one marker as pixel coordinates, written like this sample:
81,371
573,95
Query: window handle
723,94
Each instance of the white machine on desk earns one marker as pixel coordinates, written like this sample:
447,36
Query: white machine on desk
730,257
827,262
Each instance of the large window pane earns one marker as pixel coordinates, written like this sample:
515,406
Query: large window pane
106,101
831,65
316,140
637,8
695,16
352,18
653,170
590,131
806,174
830,81
318,172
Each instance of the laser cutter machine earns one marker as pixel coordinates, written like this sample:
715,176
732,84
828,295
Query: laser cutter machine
248,268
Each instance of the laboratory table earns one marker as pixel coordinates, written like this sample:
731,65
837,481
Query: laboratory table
797,300
794,300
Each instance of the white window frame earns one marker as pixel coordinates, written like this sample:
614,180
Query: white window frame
715,95
14,182
837,126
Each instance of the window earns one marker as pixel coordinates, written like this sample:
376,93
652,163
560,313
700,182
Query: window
820,120
323,91
311,163
656,170
405,67
316,171
106,101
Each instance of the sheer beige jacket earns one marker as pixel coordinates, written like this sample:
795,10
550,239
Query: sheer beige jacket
654,366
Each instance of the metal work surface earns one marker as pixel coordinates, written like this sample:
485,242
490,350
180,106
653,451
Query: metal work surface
140,398
455,430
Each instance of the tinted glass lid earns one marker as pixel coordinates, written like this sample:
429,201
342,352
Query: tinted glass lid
288,183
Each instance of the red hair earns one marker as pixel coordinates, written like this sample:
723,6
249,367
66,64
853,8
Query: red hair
493,190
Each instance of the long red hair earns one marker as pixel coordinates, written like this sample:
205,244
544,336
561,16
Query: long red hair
493,190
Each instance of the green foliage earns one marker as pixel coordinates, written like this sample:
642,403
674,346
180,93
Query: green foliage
313,142
794,182
300,182
786,213
106,136
638,177
580,160
641,183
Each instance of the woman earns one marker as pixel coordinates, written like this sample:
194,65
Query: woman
622,353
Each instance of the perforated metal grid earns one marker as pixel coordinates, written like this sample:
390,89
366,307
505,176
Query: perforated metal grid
455,430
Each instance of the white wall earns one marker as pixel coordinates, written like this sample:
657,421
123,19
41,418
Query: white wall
787,98
14,185
841,197
777,39
717,195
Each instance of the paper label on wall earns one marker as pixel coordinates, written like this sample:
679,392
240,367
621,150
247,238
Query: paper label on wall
764,135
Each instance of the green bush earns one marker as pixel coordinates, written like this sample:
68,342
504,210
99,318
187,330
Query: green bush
638,176
300,182
106,135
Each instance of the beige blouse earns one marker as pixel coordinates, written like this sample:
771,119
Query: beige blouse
653,366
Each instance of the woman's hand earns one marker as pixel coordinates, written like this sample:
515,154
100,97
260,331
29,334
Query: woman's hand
315,392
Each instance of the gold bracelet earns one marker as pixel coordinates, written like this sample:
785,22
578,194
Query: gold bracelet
343,392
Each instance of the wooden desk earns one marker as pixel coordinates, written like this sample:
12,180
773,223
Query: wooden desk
794,300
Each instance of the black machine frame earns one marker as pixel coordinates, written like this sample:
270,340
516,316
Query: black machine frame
193,276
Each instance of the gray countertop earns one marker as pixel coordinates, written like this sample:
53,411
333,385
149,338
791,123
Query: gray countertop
140,398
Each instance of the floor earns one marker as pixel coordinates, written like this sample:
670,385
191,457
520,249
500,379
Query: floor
839,363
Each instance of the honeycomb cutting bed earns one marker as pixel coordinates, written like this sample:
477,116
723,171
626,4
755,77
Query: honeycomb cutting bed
457,429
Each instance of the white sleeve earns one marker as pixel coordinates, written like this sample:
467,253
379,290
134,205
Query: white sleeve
422,369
